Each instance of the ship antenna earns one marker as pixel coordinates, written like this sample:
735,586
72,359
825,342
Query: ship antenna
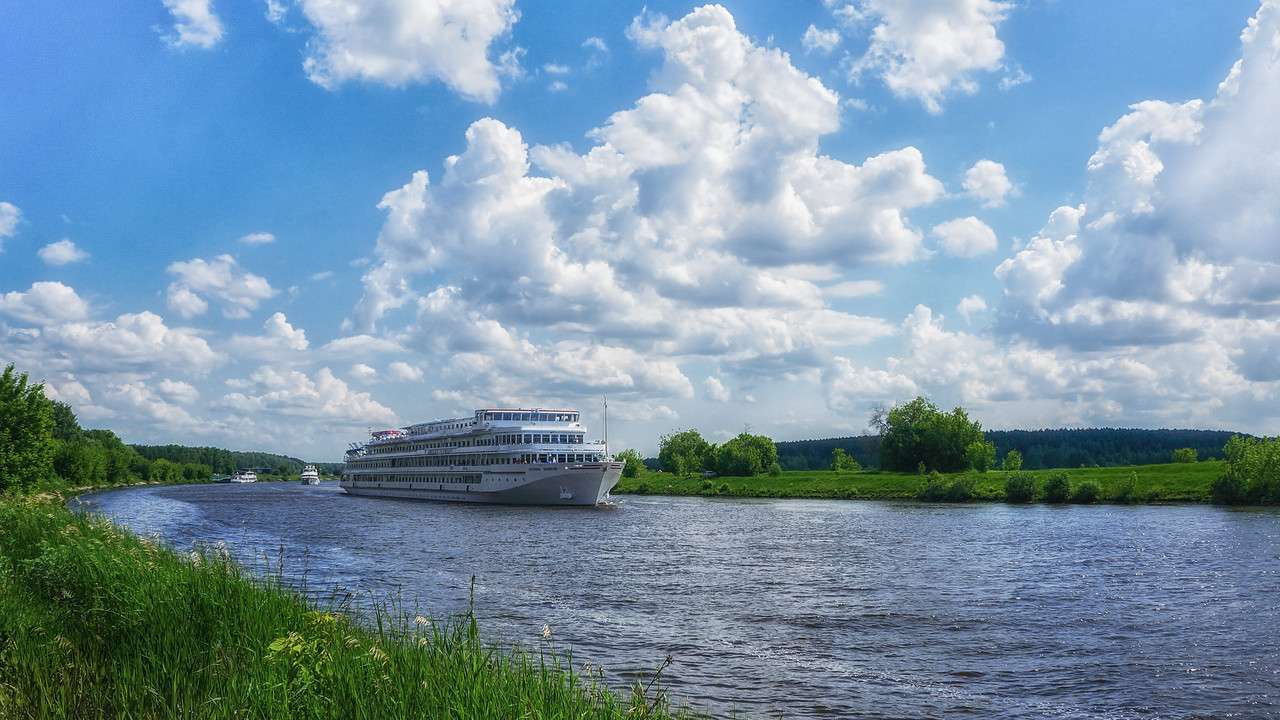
606,425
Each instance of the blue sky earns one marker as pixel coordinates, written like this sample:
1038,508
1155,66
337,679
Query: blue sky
274,224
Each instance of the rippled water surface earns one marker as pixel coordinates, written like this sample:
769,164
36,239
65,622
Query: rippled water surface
798,608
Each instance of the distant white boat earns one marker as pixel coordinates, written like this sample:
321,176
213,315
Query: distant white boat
244,476
310,475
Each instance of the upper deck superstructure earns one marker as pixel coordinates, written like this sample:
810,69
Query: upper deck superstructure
516,455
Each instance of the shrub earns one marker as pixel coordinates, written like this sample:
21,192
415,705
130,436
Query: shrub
1057,487
941,489
1184,455
706,485
724,488
1086,493
1127,493
1227,490
1019,487
775,470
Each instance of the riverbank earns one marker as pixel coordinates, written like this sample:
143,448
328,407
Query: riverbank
1168,483
96,622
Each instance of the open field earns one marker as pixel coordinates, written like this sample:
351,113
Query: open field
1174,482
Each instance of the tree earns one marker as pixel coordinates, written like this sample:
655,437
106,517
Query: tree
841,460
980,455
1185,455
633,462
65,426
918,432
746,455
1013,461
26,431
1253,472
684,453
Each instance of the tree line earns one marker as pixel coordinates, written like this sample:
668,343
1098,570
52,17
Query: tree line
42,441
1040,449
225,462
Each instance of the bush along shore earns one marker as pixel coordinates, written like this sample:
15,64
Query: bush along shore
1167,483
98,623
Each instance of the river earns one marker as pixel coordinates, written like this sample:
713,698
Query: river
807,609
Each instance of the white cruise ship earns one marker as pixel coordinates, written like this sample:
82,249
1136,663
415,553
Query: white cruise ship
509,456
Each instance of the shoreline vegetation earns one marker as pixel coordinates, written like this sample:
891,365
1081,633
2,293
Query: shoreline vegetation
1166,483
98,622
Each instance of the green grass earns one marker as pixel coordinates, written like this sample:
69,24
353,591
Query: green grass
1175,482
98,623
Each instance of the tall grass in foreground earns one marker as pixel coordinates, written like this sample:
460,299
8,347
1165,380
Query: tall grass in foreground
98,623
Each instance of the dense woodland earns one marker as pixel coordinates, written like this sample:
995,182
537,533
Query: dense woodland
1040,449
225,462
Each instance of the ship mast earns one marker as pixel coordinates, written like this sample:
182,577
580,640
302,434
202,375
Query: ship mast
606,425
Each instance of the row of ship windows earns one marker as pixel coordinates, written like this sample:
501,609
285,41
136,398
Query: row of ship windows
449,460
469,479
531,416
505,439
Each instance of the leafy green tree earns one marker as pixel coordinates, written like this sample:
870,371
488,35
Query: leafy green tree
1253,472
1013,461
746,455
841,460
65,426
196,472
1185,455
917,432
980,455
633,461
684,453
26,431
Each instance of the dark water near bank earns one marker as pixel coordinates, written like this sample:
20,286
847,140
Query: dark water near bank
811,609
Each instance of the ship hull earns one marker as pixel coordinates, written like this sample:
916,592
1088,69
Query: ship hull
517,484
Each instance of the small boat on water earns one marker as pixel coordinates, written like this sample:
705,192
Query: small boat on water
310,475
506,456
244,476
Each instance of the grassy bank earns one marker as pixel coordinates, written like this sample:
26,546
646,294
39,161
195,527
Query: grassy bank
98,623
1175,482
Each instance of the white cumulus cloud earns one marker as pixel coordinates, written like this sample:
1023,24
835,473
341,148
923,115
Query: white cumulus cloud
687,230
9,217
970,305
401,370
222,278
402,42
925,49
715,390
821,40
62,252
195,24
45,303
965,237
986,181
